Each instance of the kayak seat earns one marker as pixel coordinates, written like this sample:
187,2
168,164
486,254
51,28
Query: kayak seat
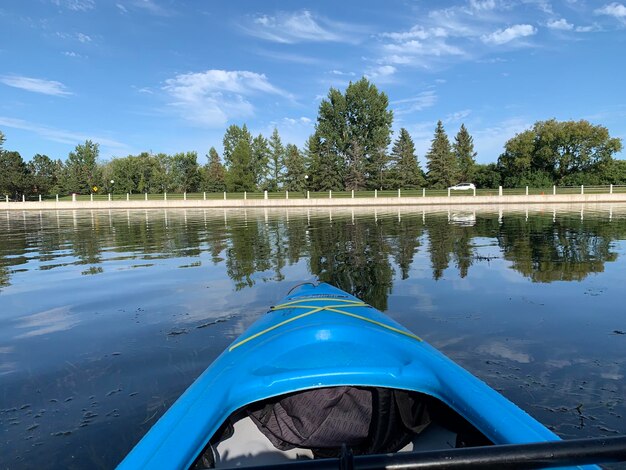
316,423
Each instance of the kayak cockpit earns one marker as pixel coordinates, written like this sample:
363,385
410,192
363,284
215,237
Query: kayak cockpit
318,423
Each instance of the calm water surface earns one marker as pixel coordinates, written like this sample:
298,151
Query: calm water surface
106,317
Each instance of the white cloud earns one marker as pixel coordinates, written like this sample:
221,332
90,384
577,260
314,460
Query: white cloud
423,100
36,85
561,25
301,26
457,116
60,135
614,9
342,74
151,7
381,73
76,5
213,97
83,37
482,4
502,36
122,8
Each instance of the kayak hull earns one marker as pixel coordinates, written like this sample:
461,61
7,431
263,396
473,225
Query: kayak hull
319,336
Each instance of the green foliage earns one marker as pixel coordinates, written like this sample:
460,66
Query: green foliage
442,168
214,179
185,172
46,174
232,136
82,172
464,154
14,177
2,139
570,152
296,169
325,170
354,131
405,171
260,159
276,162
486,176
240,176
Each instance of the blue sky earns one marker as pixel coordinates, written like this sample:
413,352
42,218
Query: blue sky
170,76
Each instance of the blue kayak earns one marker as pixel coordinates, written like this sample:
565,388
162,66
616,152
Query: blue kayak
318,337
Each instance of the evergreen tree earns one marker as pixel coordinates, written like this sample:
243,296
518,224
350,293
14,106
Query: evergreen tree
232,136
240,176
405,171
464,155
441,163
276,162
355,174
82,173
326,169
215,175
260,158
296,169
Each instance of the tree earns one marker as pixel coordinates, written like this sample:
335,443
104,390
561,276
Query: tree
486,176
2,139
464,154
359,119
14,175
355,174
215,175
441,164
566,152
405,171
260,157
232,136
296,170
46,174
185,174
82,173
240,176
276,162
325,167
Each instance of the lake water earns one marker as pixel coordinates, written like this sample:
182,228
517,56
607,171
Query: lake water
107,316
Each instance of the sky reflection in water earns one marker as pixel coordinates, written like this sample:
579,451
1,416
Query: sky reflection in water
106,317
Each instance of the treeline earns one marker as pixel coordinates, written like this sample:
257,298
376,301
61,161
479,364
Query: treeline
351,148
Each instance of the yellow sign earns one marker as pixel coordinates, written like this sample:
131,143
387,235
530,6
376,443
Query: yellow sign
95,189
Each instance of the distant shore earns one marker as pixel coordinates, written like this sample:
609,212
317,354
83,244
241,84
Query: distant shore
317,202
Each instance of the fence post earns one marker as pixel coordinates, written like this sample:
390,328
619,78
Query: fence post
474,189
23,198
423,192
610,189
286,194
554,190
307,194
204,196
127,196
91,197
165,196
224,195
109,197
526,190
245,195
73,197
353,194
6,198
265,194
184,195
499,190
40,198
57,198
448,192
375,193
582,189
146,196
330,194
398,192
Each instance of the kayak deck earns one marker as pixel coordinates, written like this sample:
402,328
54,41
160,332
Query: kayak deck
320,336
